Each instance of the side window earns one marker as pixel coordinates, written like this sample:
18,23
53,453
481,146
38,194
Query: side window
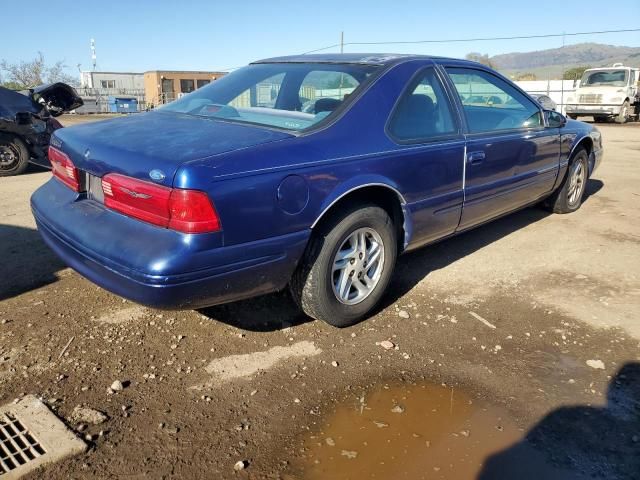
492,104
423,112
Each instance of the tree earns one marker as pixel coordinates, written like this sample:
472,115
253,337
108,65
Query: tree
526,76
22,75
574,73
480,58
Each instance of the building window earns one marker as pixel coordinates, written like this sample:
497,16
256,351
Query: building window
202,83
187,86
108,83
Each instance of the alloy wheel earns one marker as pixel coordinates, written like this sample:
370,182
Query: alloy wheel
576,183
357,266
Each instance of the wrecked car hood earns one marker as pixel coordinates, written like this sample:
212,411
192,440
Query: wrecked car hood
58,97
12,102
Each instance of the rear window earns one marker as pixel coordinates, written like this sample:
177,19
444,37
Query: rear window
288,96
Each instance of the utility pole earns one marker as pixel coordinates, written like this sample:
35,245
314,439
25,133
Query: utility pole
341,51
562,106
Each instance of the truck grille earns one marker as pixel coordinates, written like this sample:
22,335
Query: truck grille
590,98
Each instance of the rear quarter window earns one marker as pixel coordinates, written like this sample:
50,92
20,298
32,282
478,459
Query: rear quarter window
422,112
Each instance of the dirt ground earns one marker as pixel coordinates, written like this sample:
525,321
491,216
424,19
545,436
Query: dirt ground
530,319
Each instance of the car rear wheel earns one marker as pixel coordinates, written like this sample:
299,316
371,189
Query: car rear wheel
347,266
568,197
14,156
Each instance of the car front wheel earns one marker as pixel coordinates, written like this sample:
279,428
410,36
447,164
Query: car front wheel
568,197
14,156
347,266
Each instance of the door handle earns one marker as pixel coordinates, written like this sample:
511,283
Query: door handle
475,158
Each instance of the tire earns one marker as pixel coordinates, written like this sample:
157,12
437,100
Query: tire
623,116
568,196
315,284
572,116
599,119
14,155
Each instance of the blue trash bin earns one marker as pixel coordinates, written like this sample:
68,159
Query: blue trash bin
122,104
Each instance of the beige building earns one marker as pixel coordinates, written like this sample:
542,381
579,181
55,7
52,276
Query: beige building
165,86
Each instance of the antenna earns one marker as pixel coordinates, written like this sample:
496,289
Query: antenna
93,53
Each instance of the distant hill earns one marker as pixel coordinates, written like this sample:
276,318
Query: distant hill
550,63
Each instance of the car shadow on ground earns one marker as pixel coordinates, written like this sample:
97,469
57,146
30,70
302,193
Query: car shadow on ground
580,442
278,311
33,168
415,266
266,313
27,263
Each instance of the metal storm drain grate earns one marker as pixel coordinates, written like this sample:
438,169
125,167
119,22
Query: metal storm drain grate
17,445
32,436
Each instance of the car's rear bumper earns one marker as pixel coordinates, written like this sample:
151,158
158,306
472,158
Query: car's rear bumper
162,272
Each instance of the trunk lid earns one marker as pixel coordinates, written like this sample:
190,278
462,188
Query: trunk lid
157,141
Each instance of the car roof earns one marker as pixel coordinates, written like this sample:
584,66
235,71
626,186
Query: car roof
355,58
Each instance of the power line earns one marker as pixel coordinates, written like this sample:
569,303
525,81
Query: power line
459,40
478,39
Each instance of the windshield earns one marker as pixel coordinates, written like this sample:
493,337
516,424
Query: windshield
614,78
283,95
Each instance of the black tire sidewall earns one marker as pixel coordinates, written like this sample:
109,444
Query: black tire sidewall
23,155
331,309
580,156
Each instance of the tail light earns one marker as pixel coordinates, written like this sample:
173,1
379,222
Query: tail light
188,211
63,168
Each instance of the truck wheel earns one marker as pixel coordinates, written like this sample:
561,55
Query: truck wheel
623,116
14,156
572,116
568,196
347,266
599,119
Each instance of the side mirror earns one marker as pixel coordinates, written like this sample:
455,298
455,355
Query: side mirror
555,119
23,118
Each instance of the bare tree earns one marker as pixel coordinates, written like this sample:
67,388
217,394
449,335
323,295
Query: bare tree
34,72
56,73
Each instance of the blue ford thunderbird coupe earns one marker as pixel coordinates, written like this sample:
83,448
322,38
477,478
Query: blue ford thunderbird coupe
313,172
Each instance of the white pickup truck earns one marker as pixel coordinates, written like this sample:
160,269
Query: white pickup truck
606,93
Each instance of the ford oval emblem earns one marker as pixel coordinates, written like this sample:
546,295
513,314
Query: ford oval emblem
157,175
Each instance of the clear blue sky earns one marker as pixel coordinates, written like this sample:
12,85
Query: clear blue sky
206,35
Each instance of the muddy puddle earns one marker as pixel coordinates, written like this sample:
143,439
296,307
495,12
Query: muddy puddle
408,432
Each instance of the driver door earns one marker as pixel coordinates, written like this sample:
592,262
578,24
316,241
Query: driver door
511,159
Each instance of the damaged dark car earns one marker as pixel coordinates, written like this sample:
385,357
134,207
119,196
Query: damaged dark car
27,120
